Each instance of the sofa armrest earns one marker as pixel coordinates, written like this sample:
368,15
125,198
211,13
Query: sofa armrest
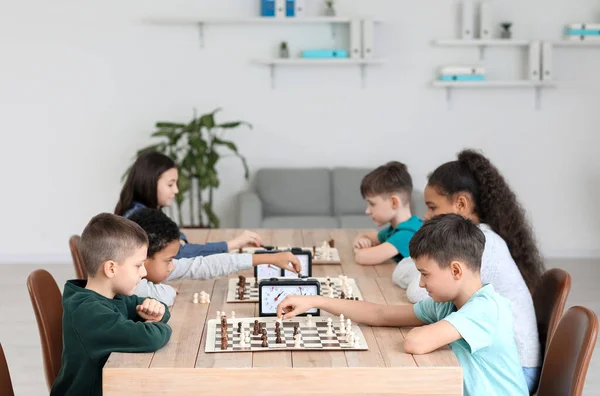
250,215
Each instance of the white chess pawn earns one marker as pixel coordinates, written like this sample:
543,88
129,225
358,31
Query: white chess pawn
297,341
341,317
356,342
348,326
218,315
232,314
242,340
350,337
195,298
330,292
349,291
329,321
309,321
342,328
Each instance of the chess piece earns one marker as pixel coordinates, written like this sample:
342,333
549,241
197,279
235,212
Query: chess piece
342,328
309,321
330,292
277,325
264,341
195,301
240,250
218,315
232,314
278,340
241,293
242,280
297,341
242,341
314,253
248,341
295,330
239,327
343,295
356,342
331,243
256,328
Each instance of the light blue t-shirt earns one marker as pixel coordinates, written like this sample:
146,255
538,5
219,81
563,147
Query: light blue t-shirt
400,236
487,351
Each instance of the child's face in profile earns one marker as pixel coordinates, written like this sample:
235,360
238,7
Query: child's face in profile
167,187
129,272
439,282
437,203
161,265
380,208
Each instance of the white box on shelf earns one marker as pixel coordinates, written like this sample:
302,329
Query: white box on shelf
582,38
547,72
300,8
355,39
280,8
485,20
535,62
367,38
468,20
461,70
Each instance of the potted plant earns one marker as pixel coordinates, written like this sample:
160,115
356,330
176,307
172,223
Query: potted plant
196,148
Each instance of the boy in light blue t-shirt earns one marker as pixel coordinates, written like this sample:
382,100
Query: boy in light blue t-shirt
472,318
387,190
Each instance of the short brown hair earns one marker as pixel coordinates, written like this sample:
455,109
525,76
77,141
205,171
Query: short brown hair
391,178
109,237
449,237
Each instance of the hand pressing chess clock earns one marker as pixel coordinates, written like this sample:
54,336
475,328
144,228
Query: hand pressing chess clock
272,292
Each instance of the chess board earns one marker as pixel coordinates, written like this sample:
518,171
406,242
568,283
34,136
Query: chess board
313,337
251,293
318,257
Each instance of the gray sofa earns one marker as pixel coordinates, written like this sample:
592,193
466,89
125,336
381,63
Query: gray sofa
308,198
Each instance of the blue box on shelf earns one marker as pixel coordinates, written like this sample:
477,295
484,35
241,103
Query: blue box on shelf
465,77
582,32
336,53
290,8
267,8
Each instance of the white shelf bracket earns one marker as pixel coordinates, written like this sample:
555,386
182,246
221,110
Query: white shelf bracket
272,73
363,75
449,98
538,98
482,53
201,33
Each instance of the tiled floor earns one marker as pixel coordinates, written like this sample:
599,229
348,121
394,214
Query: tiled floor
20,339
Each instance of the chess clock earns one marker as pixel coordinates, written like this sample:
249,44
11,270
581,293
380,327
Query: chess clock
271,292
267,271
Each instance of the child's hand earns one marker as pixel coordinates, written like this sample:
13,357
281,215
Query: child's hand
247,238
151,310
363,243
293,305
284,259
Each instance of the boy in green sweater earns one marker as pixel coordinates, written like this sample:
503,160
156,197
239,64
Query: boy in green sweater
101,315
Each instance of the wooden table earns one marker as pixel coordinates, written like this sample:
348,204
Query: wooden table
183,368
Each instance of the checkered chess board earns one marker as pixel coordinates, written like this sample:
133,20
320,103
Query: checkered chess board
251,291
319,256
313,337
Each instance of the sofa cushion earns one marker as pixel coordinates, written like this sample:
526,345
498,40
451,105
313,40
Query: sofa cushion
356,221
300,222
346,190
294,192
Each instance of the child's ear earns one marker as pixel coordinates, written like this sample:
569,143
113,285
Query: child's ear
110,268
462,203
456,270
395,201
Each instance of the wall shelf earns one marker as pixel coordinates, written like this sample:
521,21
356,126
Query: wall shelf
250,20
362,62
536,84
572,43
482,44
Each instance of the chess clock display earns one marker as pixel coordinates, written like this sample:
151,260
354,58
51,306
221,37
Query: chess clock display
267,271
271,293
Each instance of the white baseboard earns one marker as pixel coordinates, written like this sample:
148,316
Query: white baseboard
40,259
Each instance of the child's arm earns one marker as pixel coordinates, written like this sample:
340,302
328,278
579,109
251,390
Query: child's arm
368,239
103,331
358,311
375,255
159,291
425,339
248,238
211,267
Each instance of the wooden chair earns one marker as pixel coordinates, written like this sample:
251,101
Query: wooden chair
6,388
569,354
47,305
77,259
549,300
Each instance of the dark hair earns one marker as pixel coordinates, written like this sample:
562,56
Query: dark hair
495,204
161,230
390,178
142,181
449,237
109,237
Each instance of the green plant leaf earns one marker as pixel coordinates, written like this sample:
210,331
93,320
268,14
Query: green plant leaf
234,124
164,124
213,219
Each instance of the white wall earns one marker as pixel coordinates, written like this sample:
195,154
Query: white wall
82,83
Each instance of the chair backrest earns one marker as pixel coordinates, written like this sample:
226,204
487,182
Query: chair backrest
549,300
569,354
47,305
6,388
77,259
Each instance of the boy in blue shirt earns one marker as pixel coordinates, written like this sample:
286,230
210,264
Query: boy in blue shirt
387,190
471,317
